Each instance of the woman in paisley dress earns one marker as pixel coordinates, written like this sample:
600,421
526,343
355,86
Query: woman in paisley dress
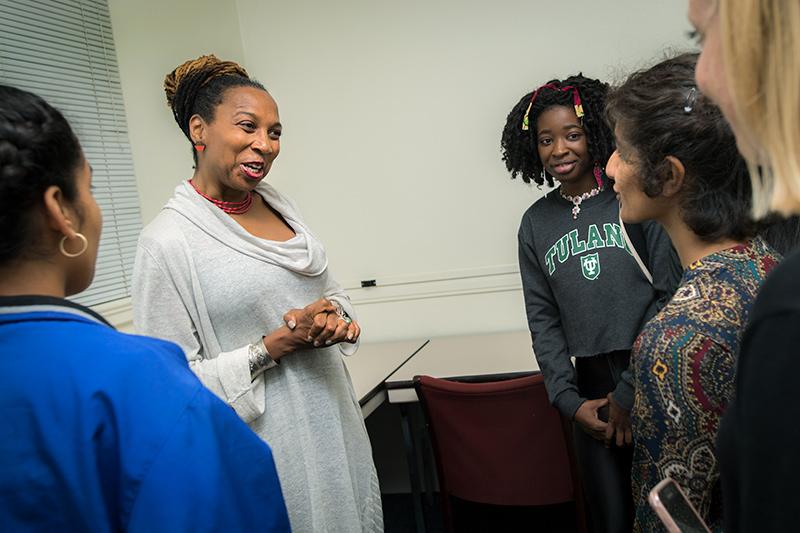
677,163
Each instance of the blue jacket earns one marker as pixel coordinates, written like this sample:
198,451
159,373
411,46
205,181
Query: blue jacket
103,431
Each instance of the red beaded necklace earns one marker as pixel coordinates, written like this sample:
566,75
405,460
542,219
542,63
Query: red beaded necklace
232,208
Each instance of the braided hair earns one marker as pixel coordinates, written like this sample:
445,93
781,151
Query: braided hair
661,113
197,87
520,146
38,149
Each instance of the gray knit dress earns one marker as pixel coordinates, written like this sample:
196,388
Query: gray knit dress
203,282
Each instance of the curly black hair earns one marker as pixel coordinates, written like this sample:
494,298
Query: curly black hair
520,147
661,113
38,149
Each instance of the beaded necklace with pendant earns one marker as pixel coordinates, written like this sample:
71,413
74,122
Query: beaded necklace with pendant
579,198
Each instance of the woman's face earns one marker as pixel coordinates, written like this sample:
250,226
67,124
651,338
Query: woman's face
90,221
710,70
623,167
562,146
243,139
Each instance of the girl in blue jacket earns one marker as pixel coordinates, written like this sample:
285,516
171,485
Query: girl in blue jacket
101,431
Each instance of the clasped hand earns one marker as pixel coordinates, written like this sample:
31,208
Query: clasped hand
616,430
318,324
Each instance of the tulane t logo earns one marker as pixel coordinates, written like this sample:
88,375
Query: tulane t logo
590,264
571,245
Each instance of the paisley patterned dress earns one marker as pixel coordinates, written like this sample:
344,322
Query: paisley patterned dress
684,364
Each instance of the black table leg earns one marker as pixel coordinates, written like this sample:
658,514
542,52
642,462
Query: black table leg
413,469
428,462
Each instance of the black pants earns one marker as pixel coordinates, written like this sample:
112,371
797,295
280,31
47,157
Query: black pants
605,472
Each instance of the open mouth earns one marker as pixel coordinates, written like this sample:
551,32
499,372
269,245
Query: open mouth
565,168
253,170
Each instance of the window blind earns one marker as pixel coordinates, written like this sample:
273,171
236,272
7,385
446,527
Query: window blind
64,52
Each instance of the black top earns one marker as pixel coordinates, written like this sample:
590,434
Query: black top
760,432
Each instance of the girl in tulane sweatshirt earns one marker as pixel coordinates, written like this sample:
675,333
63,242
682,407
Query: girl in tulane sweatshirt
588,292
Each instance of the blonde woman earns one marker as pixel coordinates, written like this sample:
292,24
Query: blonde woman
750,65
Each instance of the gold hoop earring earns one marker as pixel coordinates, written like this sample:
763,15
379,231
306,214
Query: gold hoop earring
80,236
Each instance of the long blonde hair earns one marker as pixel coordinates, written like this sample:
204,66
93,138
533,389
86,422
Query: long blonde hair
761,52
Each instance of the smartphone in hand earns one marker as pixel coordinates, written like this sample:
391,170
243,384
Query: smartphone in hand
674,508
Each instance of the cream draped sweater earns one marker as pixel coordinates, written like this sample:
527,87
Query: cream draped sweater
203,282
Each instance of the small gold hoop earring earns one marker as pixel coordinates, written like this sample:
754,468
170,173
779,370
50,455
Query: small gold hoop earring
80,236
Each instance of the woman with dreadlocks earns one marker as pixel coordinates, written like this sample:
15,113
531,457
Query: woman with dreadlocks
230,272
585,295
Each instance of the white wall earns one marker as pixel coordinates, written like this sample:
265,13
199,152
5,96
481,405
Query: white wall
152,37
392,114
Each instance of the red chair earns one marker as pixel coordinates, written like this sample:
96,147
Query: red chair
498,443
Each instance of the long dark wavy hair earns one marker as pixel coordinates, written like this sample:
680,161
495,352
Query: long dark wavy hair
662,113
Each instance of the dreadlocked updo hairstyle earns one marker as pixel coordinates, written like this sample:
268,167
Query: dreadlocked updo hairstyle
197,87
37,150
520,147
659,112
